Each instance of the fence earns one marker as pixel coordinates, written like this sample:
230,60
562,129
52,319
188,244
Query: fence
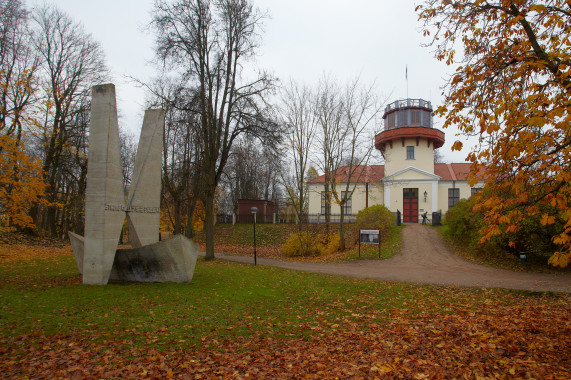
249,219
333,218
243,219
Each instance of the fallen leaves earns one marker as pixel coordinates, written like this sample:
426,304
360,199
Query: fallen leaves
525,340
328,328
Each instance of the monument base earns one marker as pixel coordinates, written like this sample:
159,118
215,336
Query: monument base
171,260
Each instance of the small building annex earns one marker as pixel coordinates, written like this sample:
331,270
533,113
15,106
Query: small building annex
409,181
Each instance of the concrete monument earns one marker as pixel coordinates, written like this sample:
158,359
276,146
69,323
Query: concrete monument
96,254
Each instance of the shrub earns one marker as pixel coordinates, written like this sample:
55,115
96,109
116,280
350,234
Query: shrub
376,217
463,224
302,244
331,245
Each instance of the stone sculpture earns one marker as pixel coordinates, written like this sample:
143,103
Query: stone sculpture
96,254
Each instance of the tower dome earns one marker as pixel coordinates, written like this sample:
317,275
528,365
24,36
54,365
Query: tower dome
408,138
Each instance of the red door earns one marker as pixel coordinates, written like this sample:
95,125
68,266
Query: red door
410,205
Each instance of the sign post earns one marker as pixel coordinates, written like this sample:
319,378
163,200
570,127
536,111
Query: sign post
369,237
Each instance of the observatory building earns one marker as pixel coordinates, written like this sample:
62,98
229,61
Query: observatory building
409,181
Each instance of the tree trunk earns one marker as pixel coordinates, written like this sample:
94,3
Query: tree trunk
192,203
342,228
209,226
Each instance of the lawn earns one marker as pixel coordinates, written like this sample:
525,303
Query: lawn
239,239
241,321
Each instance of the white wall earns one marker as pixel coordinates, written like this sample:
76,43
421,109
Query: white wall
395,157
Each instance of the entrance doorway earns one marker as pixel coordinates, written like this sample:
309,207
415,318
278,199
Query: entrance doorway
410,205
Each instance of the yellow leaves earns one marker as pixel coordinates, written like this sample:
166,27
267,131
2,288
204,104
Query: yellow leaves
540,8
513,152
21,182
560,259
457,145
547,219
503,219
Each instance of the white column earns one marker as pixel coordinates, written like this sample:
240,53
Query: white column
387,191
434,196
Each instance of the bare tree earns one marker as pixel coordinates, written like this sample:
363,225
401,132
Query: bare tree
18,66
72,62
360,108
346,118
439,157
128,143
251,172
210,42
182,152
299,119
332,128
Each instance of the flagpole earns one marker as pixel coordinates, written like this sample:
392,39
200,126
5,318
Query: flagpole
406,76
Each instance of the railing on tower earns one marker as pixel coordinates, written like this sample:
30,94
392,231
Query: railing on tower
402,103
408,113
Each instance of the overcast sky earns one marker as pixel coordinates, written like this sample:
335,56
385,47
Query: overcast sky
302,40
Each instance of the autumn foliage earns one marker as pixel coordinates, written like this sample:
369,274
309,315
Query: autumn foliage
264,322
21,184
511,89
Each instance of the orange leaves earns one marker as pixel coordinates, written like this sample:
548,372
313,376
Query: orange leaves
21,183
457,145
547,219
509,335
559,259
512,87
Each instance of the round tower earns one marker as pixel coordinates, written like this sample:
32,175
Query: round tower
408,138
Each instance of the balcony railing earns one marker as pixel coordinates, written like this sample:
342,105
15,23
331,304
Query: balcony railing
408,103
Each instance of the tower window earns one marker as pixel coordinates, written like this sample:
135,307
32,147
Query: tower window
391,120
415,117
410,152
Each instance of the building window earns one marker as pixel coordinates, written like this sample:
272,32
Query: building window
325,202
453,197
391,120
415,117
476,190
410,152
347,207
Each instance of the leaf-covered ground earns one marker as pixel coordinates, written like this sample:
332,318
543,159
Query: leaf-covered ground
239,239
238,321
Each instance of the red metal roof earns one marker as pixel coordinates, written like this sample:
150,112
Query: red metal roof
361,173
453,172
374,173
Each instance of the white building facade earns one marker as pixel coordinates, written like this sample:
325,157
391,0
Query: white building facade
410,181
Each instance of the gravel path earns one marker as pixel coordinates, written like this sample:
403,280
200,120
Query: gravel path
425,259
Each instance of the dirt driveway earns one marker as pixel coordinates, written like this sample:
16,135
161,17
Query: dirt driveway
425,259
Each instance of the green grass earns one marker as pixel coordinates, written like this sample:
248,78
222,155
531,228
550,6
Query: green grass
390,247
224,301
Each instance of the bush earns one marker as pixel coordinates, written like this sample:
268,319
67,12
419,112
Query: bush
302,244
376,217
463,224
331,244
